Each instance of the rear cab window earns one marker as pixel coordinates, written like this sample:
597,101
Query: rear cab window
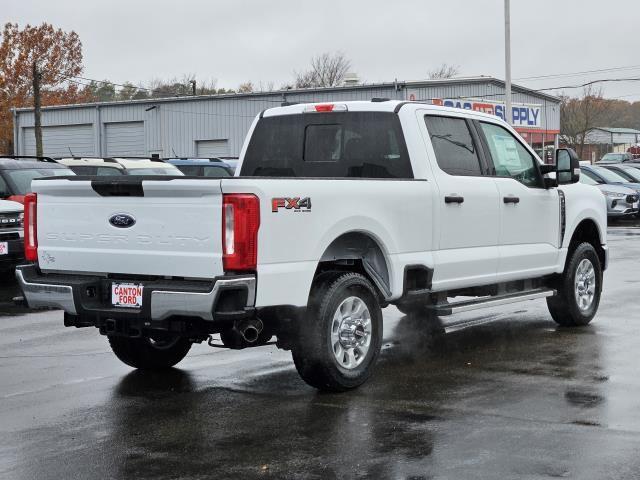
334,145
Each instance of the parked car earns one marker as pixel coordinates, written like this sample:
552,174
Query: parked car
11,233
604,175
202,167
17,172
360,205
621,201
93,166
615,158
627,171
118,166
231,161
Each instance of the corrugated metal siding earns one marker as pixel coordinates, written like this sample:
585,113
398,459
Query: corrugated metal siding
172,127
61,141
124,139
605,137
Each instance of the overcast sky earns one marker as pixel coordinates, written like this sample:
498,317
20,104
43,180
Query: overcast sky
235,41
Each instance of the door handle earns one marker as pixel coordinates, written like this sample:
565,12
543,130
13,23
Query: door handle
511,199
453,199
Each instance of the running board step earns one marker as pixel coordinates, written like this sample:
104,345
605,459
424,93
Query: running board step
491,301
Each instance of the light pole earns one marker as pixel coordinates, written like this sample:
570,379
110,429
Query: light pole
508,115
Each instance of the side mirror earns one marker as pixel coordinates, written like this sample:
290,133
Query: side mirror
567,166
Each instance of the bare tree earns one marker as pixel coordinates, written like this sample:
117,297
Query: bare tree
326,70
444,71
580,115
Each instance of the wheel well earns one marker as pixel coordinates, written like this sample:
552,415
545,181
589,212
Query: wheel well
587,231
359,252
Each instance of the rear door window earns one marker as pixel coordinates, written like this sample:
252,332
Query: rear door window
191,170
108,171
216,171
456,152
336,144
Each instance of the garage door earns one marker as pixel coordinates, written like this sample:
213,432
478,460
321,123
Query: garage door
212,148
60,141
124,139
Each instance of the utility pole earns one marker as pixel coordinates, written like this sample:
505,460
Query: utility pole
37,76
508,115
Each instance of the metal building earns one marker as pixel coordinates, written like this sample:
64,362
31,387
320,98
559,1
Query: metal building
216,125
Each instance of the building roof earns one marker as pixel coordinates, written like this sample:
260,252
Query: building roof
618,130
398,85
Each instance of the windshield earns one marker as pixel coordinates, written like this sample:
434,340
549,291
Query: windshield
586,179
154,171
21,179
613,156
609,176
634,173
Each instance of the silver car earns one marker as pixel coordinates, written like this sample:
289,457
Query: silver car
621,201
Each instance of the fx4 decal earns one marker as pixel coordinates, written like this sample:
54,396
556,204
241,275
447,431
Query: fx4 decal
296,204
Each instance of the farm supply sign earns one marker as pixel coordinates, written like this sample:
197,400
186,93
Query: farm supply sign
523,115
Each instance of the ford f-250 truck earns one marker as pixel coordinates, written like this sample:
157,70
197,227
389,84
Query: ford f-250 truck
340,209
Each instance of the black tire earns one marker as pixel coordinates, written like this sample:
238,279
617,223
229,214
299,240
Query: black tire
148,354
564,306
312,350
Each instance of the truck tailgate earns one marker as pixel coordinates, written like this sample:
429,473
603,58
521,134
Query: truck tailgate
171,227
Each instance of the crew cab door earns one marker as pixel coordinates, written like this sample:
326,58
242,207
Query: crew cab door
466,205
529,212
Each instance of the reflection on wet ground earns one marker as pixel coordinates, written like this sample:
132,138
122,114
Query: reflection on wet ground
519,397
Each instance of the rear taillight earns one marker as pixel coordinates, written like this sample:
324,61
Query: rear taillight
240,223
16,198
30,227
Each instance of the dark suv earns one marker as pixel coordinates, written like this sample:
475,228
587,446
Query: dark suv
16,173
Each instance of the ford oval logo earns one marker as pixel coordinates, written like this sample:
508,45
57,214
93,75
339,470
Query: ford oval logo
122,220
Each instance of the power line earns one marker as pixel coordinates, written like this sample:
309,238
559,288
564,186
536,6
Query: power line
573,74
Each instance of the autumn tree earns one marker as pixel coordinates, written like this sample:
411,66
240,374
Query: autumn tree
579,115
56,55
246,87
326,70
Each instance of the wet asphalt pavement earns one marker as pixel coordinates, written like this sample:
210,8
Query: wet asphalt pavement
515,398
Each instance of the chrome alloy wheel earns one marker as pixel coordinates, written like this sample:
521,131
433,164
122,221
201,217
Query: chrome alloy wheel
585,284
351,332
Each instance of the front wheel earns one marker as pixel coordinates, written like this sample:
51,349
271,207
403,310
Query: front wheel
340,338
579,288
149,353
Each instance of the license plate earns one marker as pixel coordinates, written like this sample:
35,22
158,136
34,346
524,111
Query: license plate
635,205
126,295
4,248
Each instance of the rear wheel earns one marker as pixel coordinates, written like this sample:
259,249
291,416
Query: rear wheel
150,353
579,288
340,338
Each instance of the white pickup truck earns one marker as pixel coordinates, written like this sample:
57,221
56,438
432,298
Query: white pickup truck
339,210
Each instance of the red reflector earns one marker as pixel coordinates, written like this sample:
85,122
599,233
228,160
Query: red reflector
240,223
327,107
30,227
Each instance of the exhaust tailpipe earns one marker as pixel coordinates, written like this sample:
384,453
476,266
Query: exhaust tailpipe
249,329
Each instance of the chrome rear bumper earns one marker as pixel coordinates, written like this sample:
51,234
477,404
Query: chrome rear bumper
162,301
